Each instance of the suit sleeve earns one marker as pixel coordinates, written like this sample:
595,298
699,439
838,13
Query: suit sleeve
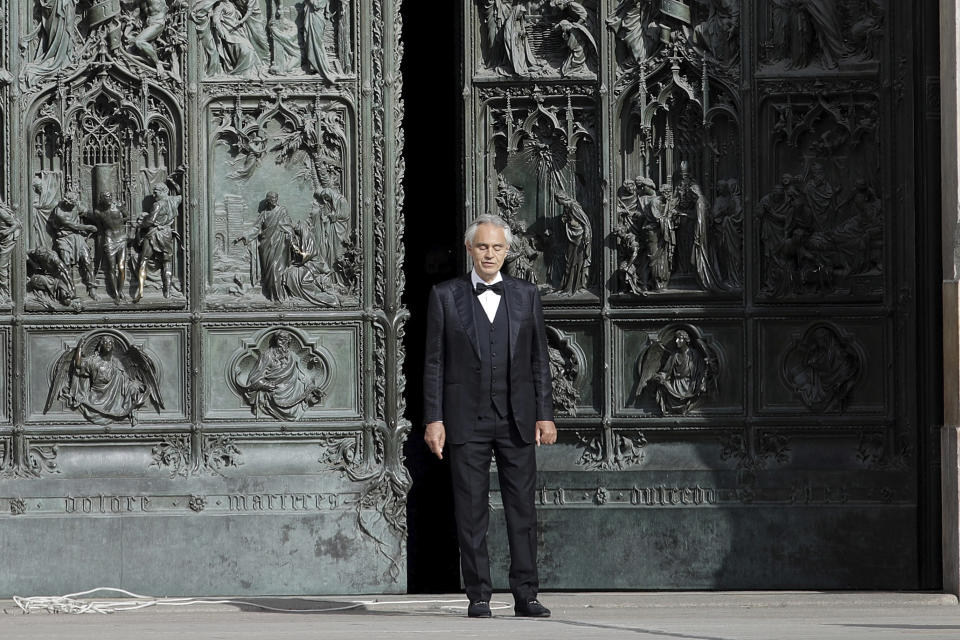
433,361
542,380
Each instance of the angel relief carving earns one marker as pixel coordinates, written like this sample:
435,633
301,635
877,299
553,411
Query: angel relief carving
106,378
679,368
281,374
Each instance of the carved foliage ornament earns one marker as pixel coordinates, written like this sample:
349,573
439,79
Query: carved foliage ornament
105,377
679,367
567,364
280,374
822,367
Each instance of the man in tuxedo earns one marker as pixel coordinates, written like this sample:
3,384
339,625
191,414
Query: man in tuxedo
487,388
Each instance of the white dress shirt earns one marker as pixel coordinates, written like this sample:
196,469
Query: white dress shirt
488,299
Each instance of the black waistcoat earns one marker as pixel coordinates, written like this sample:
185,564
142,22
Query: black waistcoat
494,356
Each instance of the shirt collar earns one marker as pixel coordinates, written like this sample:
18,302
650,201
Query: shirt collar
476,279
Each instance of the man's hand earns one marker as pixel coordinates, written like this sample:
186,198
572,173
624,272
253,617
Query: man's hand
546,432
436,435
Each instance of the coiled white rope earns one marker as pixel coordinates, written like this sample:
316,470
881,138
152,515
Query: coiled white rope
71,603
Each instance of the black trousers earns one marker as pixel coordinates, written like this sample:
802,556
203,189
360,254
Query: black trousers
517,470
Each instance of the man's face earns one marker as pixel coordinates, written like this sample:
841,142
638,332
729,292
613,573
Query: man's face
488,250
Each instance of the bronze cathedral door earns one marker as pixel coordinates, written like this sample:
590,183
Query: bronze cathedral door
721,203
200,329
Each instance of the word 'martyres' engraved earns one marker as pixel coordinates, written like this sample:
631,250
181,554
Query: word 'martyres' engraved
283,502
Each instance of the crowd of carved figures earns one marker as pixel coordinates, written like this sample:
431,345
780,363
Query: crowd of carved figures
674,230
103,243
815,236
539,38
244,38
240,38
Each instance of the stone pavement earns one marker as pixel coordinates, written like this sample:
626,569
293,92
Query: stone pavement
646,615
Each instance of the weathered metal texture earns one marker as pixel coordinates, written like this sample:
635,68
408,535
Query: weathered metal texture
716,199
200,253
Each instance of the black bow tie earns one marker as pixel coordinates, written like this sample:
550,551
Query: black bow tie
496,287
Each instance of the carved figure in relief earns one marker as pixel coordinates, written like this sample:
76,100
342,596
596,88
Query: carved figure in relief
56,37
857,242
867,31
111,239
578,232
634,23
522,252
255,27
330,216
805,30
105,381
718,37
658,234
49,279
155,20
773,214
157,238
692,228
822,368
681,371
507,38
577,39
814,236
10,229
70,241
285,40
574,11
289,260
226,39
280,384
45,186
273,228
317,15
728,221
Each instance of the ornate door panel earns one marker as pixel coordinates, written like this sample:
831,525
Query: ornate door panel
716,201
201,388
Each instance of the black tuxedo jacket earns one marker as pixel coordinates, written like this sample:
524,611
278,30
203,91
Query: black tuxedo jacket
451,378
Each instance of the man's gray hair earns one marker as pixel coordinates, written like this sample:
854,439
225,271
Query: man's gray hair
488,218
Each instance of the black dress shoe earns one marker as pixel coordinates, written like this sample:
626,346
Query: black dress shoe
531,609
479,609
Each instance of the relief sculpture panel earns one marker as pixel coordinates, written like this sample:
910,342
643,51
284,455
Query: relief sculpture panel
541,177
284,227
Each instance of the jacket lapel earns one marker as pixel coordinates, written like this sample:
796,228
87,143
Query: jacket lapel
514,302
463,297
